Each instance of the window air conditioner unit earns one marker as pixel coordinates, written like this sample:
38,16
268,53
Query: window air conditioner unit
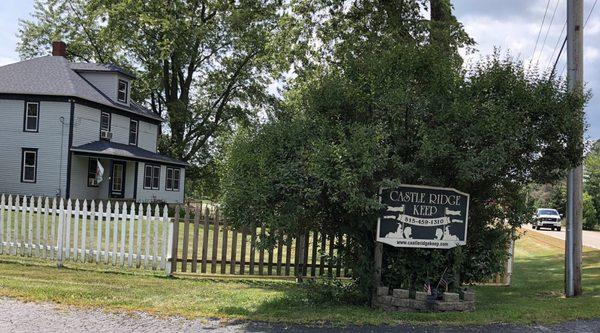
106,135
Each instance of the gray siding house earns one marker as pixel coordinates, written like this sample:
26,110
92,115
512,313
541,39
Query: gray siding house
64,122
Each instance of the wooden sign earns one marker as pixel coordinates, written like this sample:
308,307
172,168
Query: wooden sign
423,217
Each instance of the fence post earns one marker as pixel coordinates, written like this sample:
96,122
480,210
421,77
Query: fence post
61,225
30,209
38,227
99,237
140,221
300,265
2,225
148,223
166,240
123,233
174,236
131,233
53,230
83,239
46,209
17,245
92,230
8,226
76,230
168,264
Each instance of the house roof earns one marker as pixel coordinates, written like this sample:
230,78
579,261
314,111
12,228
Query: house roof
93,67
54,76
128,152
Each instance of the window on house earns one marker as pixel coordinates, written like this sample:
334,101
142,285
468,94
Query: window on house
176,179
151,177
32,117
122,91
105,121
169,180
172,179
156,177
92,167
133,132
29,165
148,177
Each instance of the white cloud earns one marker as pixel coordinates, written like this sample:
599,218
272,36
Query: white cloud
10,12
513,26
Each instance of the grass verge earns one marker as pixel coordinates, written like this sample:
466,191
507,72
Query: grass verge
534,297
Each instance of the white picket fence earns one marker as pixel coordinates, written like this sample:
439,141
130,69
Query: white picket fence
110,233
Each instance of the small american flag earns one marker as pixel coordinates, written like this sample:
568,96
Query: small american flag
443,283
427,288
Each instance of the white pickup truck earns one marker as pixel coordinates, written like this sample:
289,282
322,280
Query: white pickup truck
546,218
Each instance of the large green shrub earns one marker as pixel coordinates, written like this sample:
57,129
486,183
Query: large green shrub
395,109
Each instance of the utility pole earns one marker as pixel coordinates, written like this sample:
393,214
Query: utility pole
573,239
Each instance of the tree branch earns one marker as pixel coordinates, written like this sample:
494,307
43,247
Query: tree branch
87,34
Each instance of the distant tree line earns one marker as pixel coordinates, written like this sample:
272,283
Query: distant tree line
555,195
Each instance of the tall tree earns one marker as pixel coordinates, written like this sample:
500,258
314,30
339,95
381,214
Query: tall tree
202,63
392,105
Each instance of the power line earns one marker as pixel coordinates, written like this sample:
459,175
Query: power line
558,57
548,30
590,13
565,41
539,32
556,45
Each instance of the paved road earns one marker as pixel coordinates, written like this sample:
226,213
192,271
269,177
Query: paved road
590,238
17,316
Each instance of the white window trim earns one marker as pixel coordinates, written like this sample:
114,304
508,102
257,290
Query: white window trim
146,176
37,117
113,183
153,168
109,120
173,188
126,92
167,187
24,166
178,171
137,130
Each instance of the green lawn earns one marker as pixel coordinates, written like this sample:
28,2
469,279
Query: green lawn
534,297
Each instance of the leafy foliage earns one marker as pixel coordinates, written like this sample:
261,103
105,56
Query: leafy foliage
590,216
592,188
395,108
555,195
205,65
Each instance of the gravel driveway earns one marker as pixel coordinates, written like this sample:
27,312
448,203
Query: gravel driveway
17,316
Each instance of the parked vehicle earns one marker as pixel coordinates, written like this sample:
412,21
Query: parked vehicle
546,218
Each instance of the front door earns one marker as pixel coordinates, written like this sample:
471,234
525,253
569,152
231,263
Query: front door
117,183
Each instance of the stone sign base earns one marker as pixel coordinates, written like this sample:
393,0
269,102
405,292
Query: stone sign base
400,301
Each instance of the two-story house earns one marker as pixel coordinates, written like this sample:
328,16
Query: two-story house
71,130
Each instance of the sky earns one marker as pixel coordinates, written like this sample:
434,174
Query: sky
510,25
